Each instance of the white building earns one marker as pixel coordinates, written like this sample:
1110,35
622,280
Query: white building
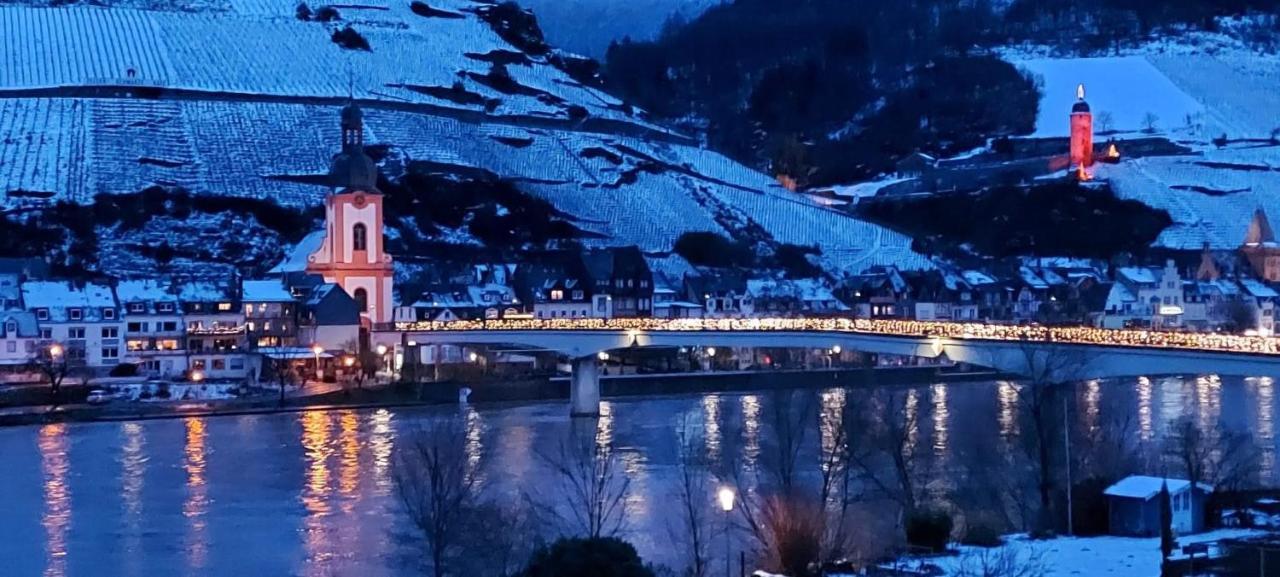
85,320
1145,296
154,331
20,335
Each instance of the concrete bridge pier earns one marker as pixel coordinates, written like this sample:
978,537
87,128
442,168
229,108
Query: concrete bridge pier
584,387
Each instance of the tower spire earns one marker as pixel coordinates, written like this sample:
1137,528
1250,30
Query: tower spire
1080,91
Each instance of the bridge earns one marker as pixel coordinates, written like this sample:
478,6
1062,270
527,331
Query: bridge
1044,354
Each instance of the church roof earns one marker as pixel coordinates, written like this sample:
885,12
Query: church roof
1080,106
353,169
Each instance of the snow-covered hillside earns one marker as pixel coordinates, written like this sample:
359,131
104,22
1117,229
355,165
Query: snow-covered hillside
238,98
1216,97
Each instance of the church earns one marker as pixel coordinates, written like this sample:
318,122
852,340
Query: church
349,251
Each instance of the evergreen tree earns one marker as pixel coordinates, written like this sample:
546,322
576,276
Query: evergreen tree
1166,527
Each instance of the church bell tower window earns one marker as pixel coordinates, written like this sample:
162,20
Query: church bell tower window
359,237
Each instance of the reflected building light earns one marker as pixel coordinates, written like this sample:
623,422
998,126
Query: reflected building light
1146,429
133,465
1265,426
941,419
56,517
349,459
750,431
831,424
604,428
1007,397
196,505
911,409
711,426
1092,405
315,497
474,446
381,443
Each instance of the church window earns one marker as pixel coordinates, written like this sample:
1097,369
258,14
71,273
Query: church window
362,298
358,237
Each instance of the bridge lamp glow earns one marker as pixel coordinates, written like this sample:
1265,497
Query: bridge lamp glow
602,355
412,343
835,350
711,351
473,356
197,376
381,350
936,344
726,496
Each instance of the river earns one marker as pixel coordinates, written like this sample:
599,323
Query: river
312,493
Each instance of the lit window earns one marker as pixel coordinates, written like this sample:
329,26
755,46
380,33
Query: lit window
557,295
224,307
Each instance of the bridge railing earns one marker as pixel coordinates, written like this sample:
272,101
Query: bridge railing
887,327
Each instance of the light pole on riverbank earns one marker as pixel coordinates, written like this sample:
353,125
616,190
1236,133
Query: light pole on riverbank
726,497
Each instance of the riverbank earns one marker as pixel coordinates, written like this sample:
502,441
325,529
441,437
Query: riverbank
496,391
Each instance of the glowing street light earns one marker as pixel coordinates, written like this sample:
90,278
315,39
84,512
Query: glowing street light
602,355
381,350
316,350
725,496
711,351
473,356
55,350
349,361
197,376
835,350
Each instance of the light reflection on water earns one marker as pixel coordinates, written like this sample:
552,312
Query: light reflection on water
324,480
196,505
55,465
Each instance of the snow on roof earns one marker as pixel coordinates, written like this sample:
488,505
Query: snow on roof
977,278
265,291
1127,88
144,290
296,259
1137,275
1031,279
27,326
1144,487
1119,295
60,296
1255,288
866,189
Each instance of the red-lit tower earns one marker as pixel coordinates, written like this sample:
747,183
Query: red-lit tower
1081,131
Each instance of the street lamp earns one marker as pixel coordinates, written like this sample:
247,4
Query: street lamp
835,350
725,497
197,376
316,350
602,355
55,350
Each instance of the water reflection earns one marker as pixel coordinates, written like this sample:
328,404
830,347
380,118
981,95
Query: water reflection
1146,429
55,466
475,443
604,428
750,432
1264,422
381,441
1007,395
831,425
316,491
941,414
348,459
1208,401
911,412
196,505
1092,401
711,426
133,466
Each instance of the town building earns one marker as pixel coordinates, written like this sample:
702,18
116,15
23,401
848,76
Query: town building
155,332
1260,248
217,342
624,278
270,313
330,319
1149,297
84,320
556,286
723,294
20,335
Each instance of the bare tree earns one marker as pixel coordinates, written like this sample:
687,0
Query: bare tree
694,493
53,364
882,447
1047,369
798,524
437,482
1218,458
591,487
1149,121
281,371
1007,561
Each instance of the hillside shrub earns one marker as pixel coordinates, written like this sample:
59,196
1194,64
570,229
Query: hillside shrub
349,39
596,557
713,250
326,14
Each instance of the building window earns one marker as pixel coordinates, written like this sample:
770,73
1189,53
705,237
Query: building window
137,307
46,333
136,327
109,314
75,314
75,333
577,295
169,326
42,314
237,364
362,299
10,328
110,332
165,307
110,352
557,295
197,364
11,346
359,237
224,307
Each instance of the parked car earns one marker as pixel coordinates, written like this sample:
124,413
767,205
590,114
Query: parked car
100,397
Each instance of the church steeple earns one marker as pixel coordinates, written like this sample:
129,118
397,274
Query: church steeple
352,169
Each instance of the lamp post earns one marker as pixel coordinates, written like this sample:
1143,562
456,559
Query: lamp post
381,350
711,358
726,496
316,350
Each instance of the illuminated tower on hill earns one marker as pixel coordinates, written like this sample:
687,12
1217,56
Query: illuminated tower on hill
1081,131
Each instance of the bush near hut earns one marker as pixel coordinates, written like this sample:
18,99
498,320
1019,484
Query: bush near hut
929,528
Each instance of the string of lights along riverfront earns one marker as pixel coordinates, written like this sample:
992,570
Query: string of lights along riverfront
1208,342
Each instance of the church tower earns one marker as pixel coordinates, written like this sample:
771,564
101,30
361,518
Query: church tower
1081,132
351,254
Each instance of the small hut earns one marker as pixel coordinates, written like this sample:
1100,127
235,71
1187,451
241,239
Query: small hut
1133,505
